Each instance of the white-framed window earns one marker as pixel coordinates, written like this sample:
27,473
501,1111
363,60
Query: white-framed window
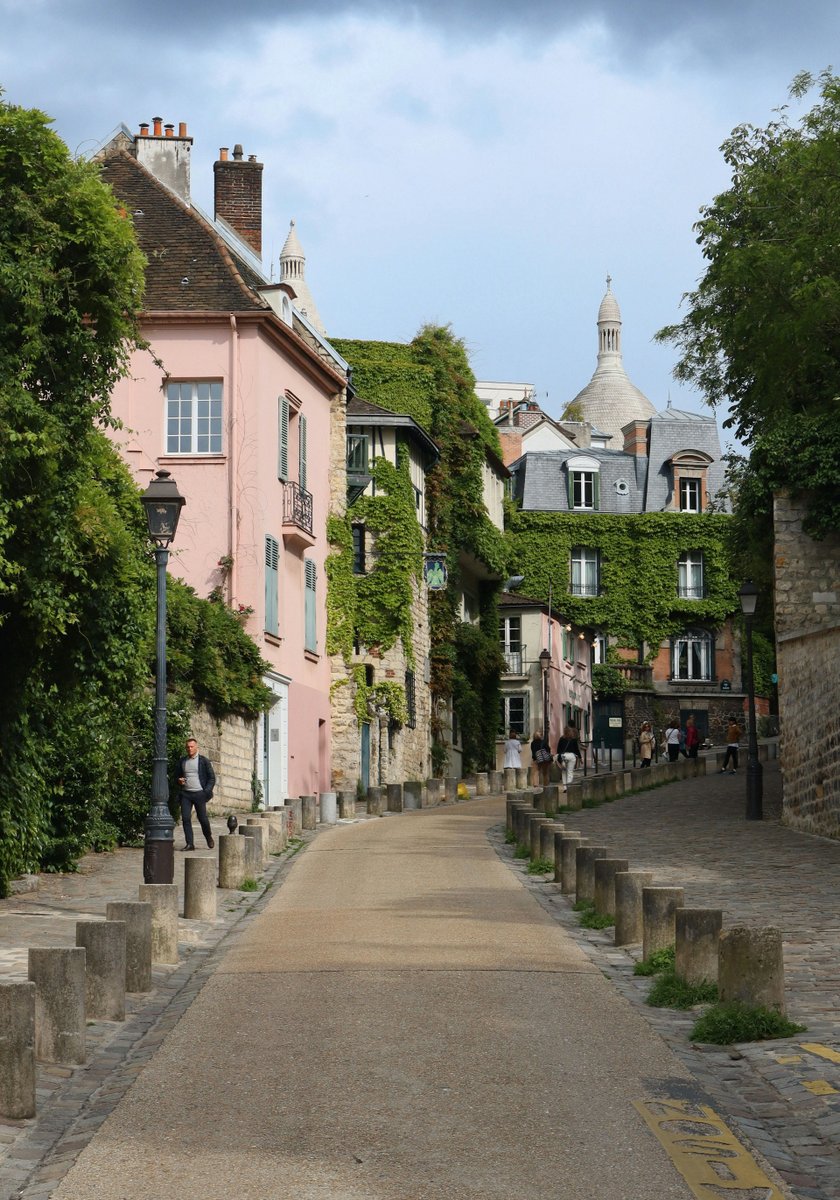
583,489
510,641
691,495
272,585
584,483
585,571
513,713
310,629
599,648
693,655
690,575
358,453
194,417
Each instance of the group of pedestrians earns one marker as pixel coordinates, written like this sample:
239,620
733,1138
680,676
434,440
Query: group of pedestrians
686,741
568,753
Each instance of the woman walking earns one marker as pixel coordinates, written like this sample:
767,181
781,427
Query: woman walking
568,753
513,750
672,741
646,743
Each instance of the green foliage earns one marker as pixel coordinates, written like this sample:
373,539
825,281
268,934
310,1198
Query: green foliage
661,960
608,682
522,851
384,694
573,411
390,375
760,333
724,1024
669,991
341,587
540,866
249,885
639,552
592,920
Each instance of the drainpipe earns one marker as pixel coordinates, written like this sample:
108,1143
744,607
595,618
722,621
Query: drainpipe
233,449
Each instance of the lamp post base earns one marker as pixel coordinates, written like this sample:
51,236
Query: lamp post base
755,790
159,861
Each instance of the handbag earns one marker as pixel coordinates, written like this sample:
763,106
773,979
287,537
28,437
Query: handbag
543,756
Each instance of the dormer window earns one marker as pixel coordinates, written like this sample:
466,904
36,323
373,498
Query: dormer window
689,469
584,482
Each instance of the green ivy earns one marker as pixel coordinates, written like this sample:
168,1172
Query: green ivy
385,694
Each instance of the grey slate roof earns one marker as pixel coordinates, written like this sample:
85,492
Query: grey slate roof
672,431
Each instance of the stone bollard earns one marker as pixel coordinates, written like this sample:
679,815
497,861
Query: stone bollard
585,857
394,792
526,821
496,782
558,834
535,829
138,936
163,898
308,812
200,889
433,792
104,945
232,861
329,808
569,845
628,906
275,824
750,967
295,810
548,833
262,837
412,794
17,1051
59,979
605,871
574,796
482,784
375,801
450,789
346,805
510,779
659,908
522,780
697,936
551,798
253,851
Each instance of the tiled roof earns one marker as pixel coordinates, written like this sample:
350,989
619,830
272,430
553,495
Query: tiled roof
190,268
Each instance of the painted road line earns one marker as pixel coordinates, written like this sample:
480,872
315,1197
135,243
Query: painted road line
822,1051
705,1152
819,1087
787,1060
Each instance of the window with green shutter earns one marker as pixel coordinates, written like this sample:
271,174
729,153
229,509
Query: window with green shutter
302,452
272,584
283,438
310,626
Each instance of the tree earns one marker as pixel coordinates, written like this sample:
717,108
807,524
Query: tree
762,331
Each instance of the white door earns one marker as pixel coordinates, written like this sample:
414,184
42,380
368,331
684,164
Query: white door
276,748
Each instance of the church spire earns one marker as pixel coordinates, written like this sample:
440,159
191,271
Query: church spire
293,273
609,328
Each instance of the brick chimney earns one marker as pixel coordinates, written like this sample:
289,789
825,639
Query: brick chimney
636,438
238,194
165,155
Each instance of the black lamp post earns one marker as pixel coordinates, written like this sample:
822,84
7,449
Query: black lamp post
545,663
163,503
748,596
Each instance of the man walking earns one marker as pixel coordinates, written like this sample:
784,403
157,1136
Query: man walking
196,780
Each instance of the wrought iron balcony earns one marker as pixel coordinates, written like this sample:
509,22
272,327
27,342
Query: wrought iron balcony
514,661
297,515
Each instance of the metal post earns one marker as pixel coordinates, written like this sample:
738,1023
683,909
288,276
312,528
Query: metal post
159,846
755,771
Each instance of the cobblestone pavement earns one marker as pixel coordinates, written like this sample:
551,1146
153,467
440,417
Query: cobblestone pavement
783,1096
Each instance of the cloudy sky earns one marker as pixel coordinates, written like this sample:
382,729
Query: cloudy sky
472,162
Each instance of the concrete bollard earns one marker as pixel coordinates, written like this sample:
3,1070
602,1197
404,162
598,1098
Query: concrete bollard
526,821
496,782
346,805
262,837
547,835
200,889
163,898
522,777
535,829
605,871
138,935
628,906
295,810
659,908
328,803
412,794
394,792
104,945
59,978
253,851
450,789
573,796
308,816
585,857
232,861
275,824
375,801
510,779
482,784
568,862
433,792
17,1051
558,833
697,935
750,967
551,798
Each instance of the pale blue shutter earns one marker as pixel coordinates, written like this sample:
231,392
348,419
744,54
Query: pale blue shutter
283,438
272,582
302,451
310,631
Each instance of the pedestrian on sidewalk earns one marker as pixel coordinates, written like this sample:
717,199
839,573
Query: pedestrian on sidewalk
541,757
568,753
692,738
513,750
733,737
196,780
672,741
646,743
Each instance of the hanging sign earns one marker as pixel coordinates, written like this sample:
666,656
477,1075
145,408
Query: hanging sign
434,571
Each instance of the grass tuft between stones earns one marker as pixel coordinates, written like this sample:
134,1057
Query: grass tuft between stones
249,885
540,866
522,851
660,960
669,991
589,919
724,1024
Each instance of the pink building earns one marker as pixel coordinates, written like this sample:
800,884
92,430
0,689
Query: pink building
234,398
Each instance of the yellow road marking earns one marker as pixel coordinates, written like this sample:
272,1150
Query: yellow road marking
822,1051
787,1060
705,1152
819,1087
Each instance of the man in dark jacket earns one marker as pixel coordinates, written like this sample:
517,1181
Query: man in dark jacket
196,780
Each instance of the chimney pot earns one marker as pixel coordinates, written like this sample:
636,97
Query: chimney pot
144,129
252,158
223,154
157,123
170,130
237,152
182,129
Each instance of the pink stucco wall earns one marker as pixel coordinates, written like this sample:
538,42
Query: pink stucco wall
235,499
570,682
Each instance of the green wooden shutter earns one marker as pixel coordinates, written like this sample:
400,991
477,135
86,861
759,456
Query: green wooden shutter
302,451
596,490
272,582
310,632
570,485
283,438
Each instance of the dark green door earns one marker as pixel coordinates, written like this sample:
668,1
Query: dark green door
609,724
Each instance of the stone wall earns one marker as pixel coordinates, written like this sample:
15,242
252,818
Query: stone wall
807,618
231,746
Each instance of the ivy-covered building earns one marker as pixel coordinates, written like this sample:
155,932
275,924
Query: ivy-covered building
627,529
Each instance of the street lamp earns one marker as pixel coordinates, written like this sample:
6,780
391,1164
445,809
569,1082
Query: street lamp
545,663
163,503
748,595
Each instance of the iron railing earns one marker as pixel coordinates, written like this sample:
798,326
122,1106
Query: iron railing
297,507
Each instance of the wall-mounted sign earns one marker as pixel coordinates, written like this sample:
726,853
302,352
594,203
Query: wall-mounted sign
615,722
725,685
434,571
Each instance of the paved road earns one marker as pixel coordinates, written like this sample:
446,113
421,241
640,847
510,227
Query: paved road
402,1020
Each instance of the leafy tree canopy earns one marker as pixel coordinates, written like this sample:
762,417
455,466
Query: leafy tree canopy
762,330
